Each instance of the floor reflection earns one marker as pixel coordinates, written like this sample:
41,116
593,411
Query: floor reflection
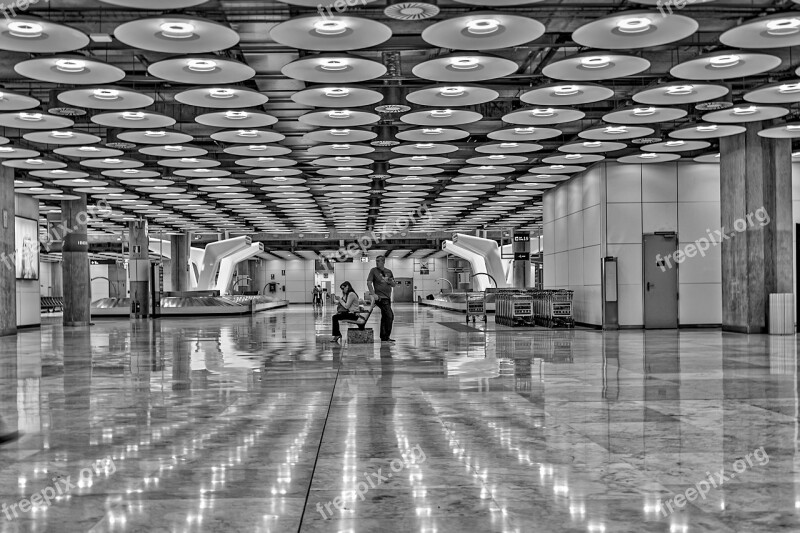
257,423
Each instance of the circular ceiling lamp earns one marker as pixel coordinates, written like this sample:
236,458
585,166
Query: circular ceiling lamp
441,117
483,31
725,65
677,145
667,6
246,136
524,133
258,150
573,159
410,10
267,162
478,178
635,29
648,158
784,131
592,147
341,180
34,121
594,66
133,120
155,137
784,92
80,182
133,173
513,147
541,116
188,162
567,94
111,163
201,70
434,135
487,170
452,96
464,67
677,93
69,70
419,160
221,97
173,151
327,34
339,136
105,98
337,96
497,3
236,119
707,131
644,115
333,68
425,148
773,31
543,178
745,113
344,171
202,173
337,118
611,133
342,149
557,169
88,152
22,33
497,159
61,137
161,5
16,102
59,174
341,160
708,158
34,163
415,171
176,35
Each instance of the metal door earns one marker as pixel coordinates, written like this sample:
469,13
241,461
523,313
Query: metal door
404,291
660,281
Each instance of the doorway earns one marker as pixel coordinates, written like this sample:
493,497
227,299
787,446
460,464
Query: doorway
660,281
404,291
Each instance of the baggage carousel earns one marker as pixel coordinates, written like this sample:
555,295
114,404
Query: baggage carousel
190,305
457,301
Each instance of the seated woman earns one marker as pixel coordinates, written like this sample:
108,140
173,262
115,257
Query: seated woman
346,309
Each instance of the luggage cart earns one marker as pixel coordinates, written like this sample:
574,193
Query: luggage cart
553,308
476,305
514,308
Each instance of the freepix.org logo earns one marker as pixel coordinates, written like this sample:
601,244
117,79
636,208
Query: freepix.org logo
9,11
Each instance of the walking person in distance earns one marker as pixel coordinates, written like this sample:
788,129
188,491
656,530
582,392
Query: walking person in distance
380,283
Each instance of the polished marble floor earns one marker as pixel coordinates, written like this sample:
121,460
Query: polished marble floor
261,424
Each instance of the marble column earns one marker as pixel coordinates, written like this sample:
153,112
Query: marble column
756,210
179,263
75,265
522,267
8,271
139,268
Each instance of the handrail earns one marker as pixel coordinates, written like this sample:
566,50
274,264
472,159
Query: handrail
448,281
110,286
487,275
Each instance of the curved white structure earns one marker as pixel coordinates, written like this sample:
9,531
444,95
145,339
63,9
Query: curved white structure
214,254
484,256
229,262
164,249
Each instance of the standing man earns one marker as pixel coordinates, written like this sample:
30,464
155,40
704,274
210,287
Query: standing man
380,283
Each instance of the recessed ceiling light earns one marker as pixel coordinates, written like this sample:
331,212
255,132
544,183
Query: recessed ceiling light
71,65
787,26
566,90
424,146
432,131
441,113
675,143
788,88
201,65
30,117
221,93
340,146
247,133
793,127
595,62
524,131
483,26
25,29
725,61
133,115
327,26
497,156
337,92
333,64
573,156
451,91
236,115
177,30
155,134
592,144
340,132
634,24
548,112
106,94
748,110
644,111
710,127
62,134
34,161
173,148
615,130
648,155
339,114
509,145
6,149
465,63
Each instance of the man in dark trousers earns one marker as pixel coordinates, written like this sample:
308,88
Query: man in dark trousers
380,282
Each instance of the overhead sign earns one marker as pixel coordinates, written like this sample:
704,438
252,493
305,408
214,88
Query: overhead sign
522,256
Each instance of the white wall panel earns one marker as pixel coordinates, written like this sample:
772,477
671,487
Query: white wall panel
562,269
574,189
701,303
695,219
575,258
699,269
592,226
624,223
698,182
593,182
575,231
630,305
659,217
591,265
660,183
623,183
629,264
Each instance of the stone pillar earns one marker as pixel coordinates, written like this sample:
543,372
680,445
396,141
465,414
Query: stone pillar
8,266
522,259
139,268
756,210
75,265
179,264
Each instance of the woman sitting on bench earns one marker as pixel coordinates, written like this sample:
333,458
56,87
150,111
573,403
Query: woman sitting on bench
346,308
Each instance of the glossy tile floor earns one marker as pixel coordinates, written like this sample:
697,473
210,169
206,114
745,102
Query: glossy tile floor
260,424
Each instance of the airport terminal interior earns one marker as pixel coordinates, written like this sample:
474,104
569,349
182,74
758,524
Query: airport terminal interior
431,266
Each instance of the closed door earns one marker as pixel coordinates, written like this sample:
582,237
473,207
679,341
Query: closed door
660,281
404,291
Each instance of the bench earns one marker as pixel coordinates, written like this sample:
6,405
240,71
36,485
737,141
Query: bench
52,303
356,329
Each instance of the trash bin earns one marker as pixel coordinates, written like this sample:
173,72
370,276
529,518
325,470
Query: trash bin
781,314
